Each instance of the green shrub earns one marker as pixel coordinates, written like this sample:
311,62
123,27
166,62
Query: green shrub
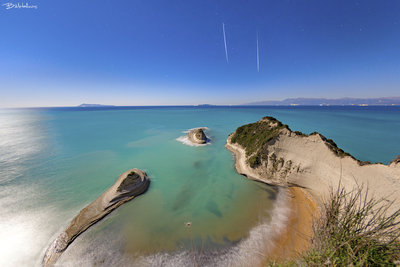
252,137
254,161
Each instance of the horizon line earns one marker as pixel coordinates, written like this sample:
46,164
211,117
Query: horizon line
254,103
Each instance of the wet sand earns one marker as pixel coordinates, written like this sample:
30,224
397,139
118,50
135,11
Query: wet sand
296,238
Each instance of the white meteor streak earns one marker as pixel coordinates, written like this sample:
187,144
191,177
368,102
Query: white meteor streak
258,56
226,49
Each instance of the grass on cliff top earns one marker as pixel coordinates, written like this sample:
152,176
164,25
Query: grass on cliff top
254,136
353,231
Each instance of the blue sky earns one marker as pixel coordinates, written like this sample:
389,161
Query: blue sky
172,52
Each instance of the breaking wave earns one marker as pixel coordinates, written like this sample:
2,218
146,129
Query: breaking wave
250,251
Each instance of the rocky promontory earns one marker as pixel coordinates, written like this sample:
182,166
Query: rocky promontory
311,167
197,136
128,185
271,152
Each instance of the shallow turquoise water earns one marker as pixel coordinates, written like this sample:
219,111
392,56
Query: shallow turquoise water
55,161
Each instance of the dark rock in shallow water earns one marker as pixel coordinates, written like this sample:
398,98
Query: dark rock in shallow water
197,136
128,185
395,161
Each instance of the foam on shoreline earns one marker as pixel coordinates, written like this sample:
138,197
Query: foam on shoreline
250,251
295,233
311,166
295,238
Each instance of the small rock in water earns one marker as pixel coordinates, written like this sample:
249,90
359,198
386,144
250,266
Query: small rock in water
197,136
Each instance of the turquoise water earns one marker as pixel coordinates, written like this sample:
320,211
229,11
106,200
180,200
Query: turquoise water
53,162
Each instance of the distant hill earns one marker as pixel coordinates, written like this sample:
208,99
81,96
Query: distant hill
93,105
206,105
382,101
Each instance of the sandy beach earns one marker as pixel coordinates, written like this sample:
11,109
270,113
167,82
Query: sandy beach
311,166
296,236
298,232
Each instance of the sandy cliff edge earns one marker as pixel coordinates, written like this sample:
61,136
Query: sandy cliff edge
295,237
310,162
311,166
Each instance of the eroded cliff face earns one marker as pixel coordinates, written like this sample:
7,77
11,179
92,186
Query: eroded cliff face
270,152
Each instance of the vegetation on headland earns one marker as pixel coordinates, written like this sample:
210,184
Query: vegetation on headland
254,137
353,230
338,151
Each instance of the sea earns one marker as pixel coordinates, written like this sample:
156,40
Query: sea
197,212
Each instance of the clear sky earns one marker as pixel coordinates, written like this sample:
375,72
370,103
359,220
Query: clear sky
172,52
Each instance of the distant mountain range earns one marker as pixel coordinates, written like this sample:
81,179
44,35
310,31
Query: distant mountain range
382,101
93,105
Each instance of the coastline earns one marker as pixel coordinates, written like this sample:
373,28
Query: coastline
296,236
312,167
240,160
297,233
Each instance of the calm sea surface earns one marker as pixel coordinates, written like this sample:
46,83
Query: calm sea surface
54,161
